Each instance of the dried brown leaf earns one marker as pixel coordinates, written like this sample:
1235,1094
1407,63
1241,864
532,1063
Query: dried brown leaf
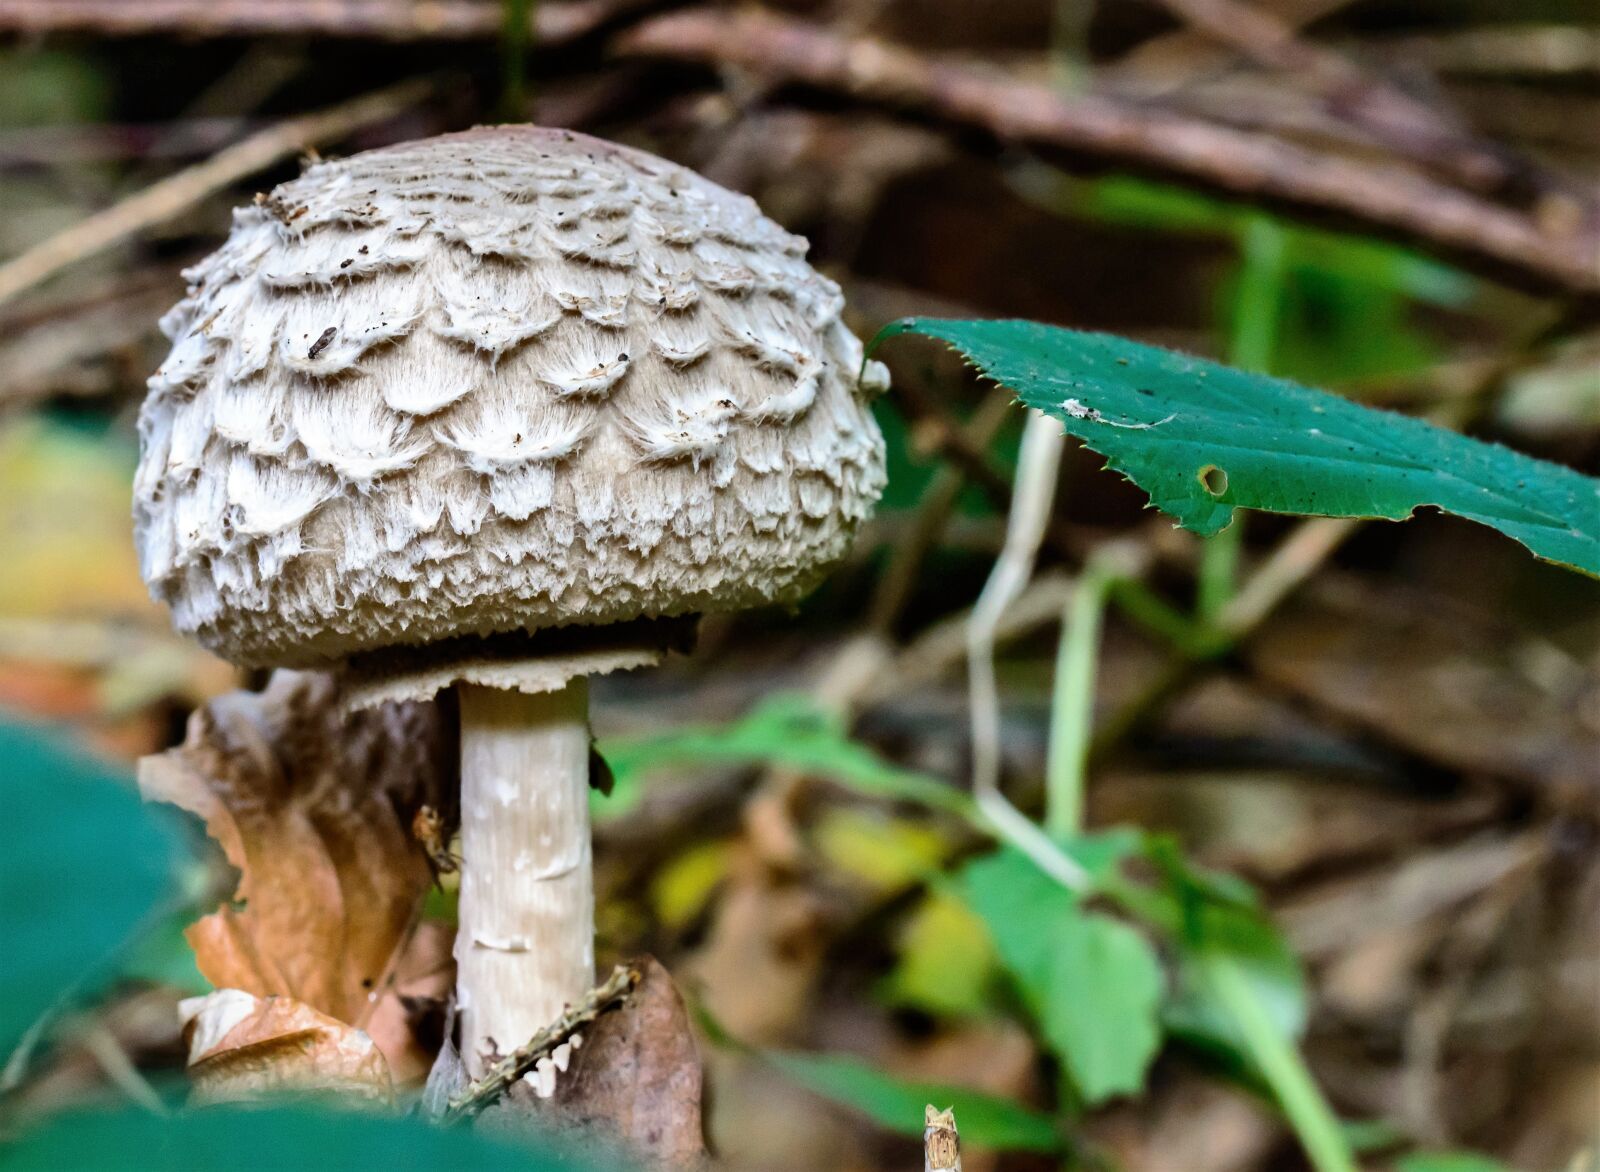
636,1079
314,807
764,951
408,1020
243,1048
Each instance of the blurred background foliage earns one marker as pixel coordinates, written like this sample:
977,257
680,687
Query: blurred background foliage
1374,803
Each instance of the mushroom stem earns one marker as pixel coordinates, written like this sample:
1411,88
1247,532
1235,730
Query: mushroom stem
525,947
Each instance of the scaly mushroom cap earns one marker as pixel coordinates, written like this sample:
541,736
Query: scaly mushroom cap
497,381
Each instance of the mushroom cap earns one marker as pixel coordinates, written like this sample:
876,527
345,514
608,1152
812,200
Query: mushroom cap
503,380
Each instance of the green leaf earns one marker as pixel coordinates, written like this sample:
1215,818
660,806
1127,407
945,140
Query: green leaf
1266,963
784,730
1203,439
1206,912
222,1139
946,959
85,863
1448,1162
985,1121
1093,983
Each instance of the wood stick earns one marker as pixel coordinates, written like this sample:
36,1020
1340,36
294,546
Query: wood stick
1411,127
555,21
1559,250
171,197
499,1078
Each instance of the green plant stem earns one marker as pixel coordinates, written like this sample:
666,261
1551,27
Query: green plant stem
1219,573
1147,609
1258,302
1281,1065
1072,704
516,37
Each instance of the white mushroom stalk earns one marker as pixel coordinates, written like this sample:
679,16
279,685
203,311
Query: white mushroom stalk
525,945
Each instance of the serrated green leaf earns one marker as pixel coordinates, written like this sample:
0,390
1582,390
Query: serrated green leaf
1093,983
268,1139
985,1121
85,863
1203,439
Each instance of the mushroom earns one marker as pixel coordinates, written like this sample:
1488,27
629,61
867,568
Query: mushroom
497,411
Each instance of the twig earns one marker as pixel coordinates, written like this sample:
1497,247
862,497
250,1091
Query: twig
114,1062
1181,57
503,1074
394,20
1295,559
1298,556
967,452
1381,196
941,1142
956,443
1474,933
1370,101
1511,49
53,146
176,194
942,645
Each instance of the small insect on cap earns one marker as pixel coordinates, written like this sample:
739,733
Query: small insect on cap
495,382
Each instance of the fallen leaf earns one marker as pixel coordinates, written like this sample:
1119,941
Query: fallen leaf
408,1022
314,807
244,1048
635,1079
763,951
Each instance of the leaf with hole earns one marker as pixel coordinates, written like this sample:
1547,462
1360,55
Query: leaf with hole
1203,439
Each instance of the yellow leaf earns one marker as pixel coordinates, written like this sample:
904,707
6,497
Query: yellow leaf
883,852
681,888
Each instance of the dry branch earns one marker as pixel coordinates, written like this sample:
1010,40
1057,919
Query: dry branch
499,1077
1499,50
176,194
1366,100
397,20
1545,251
